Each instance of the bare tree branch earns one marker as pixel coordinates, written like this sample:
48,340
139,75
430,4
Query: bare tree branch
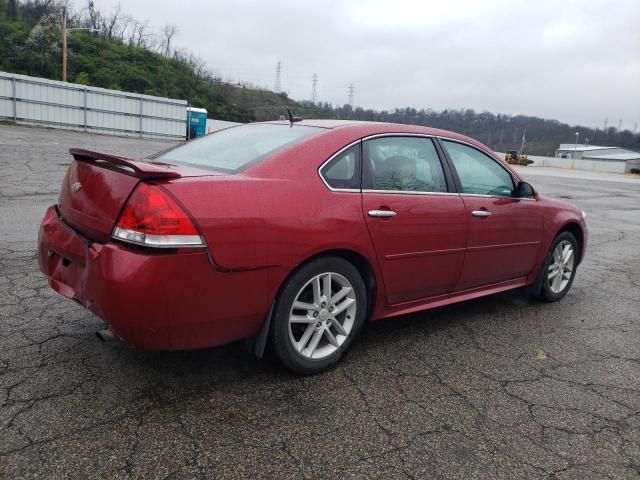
168,32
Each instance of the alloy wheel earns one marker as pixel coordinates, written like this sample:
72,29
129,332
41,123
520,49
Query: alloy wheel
561,268
322,315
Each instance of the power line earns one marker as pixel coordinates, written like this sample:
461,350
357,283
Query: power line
276,85
351,90
314,92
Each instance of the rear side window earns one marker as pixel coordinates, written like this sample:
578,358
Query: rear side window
403,164
343,172
234,149
479,174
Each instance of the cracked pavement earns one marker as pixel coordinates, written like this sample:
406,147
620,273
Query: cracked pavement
500,387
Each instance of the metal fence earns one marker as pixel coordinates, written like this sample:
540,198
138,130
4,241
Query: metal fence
72,106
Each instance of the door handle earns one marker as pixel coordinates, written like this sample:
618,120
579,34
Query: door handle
382,213
481,213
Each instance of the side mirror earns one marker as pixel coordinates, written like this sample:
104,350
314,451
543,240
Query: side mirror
524,190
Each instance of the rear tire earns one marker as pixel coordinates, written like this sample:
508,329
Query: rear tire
559,269
318,313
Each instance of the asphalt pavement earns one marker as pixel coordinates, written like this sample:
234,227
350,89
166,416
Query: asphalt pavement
500,387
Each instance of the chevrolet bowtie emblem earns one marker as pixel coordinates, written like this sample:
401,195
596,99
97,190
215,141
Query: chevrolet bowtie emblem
76,186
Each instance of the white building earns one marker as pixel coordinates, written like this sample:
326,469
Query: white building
622,158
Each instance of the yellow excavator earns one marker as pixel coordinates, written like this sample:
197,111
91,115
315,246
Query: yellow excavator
515,158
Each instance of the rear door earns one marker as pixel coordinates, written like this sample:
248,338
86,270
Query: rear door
504,232
417,223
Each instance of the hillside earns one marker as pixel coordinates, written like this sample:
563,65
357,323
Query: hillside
30,44
120,56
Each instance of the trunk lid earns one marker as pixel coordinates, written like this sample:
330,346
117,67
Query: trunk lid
97,186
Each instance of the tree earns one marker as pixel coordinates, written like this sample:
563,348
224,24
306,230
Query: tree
95,20
109,26
167,33
43,44
140,34
122,26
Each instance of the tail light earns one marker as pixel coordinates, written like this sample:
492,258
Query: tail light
154,219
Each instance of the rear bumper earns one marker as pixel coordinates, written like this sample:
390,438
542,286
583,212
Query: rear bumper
156,300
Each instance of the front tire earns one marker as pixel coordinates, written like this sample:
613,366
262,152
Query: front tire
318,313
559,267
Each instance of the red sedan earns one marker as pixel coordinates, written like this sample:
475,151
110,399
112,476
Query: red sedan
295,234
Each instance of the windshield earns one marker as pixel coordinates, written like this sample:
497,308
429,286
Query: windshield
235,148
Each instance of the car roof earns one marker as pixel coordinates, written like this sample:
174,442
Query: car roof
321,122
365,128
334,123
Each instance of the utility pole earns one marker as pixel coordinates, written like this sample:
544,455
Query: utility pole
635,128
65,32
606,121
351,89
620,125
64,45
276,85
314,91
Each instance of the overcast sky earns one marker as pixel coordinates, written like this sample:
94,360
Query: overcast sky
576,61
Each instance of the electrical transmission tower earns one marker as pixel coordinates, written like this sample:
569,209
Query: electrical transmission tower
351,90
276,85
314,90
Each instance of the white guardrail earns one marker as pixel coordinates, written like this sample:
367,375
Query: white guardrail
38,101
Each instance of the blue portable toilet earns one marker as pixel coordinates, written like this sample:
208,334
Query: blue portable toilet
196,122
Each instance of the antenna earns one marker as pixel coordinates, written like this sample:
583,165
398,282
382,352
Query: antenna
293,119
314,83
276,85
351,89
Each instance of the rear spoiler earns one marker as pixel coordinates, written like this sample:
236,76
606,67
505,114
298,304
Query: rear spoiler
136,168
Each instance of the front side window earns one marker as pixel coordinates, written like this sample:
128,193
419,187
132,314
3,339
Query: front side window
343,172
234,149
479,174
403,164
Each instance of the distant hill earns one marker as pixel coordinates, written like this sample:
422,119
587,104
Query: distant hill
125,55
501,132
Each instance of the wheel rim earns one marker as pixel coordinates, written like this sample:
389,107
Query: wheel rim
561,268
322,315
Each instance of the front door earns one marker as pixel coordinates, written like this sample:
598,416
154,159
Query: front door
418,226
504,232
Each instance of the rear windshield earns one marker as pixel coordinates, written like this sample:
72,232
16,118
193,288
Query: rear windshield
236,148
